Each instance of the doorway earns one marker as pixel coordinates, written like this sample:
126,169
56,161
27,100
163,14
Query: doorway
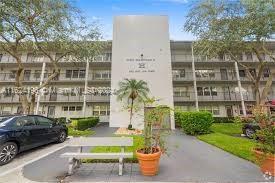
224,74
51,112
229,111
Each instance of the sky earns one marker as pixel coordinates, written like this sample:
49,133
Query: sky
103,11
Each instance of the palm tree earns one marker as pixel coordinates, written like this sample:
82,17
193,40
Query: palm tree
133,90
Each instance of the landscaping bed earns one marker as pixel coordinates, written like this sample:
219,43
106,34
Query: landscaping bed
224,136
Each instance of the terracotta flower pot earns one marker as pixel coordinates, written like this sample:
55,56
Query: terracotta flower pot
148,163
267,162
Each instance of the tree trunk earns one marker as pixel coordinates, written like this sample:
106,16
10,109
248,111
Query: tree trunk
32,104
24,103
131,112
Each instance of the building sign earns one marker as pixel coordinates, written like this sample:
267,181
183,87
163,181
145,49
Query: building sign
141,65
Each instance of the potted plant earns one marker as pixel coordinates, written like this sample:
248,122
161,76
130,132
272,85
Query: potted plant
265,148
154,133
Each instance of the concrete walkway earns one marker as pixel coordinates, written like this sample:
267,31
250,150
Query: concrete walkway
190,160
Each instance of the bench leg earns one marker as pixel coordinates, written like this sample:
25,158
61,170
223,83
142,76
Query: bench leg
120,166
71,166
78,163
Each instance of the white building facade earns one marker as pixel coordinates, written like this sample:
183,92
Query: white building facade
181,79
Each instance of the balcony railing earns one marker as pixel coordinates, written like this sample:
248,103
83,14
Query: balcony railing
57,98
41,59
34,77
188,58
220,96
213,76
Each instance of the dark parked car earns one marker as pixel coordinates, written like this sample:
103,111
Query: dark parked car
249,129
22,132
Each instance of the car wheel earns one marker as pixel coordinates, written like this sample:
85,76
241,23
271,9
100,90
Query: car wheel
249,133
8,152
62,136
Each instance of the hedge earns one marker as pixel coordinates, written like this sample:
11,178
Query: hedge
61,120
224,119
84,123
194,123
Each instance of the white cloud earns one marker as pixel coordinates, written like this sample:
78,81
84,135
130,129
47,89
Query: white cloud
174,1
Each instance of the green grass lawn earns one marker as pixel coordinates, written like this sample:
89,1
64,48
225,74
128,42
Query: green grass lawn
138,143
222,137
227,128
78,133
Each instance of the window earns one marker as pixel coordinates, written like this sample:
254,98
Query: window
205,73
200,91
12,74
214,91
242,73
96,110
207,91
178,73
108,56
75,73
104,74
42,121
78,108
37,74
25,121
266,72
27,75
181,92
215,110
8,92
82,73
253,72
73,92
65,108
101,110
71,108
68,73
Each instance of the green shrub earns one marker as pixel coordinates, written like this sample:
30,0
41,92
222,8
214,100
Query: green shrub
83,124
177,117
223,120
195,123
73,124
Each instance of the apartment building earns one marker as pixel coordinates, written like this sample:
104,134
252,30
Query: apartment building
215,80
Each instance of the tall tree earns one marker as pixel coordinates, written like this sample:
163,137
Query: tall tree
232,28
44,27
134,91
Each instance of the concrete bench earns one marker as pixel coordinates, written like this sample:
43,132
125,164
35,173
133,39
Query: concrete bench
75,157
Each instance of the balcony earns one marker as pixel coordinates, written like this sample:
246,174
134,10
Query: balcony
220,96
213,76
57,98
35,77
